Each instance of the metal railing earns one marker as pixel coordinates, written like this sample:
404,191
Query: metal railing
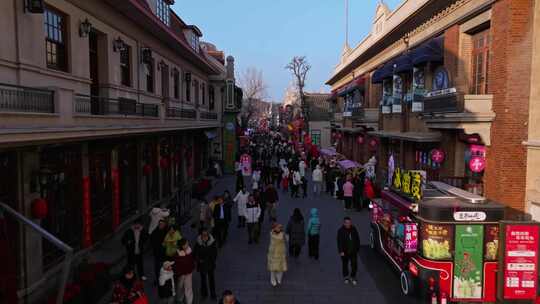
15,98
51,238
98,105
208,115
181,113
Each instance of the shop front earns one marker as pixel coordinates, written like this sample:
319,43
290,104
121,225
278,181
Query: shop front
9,228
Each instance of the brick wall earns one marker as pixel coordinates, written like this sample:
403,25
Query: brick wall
451,52
509,76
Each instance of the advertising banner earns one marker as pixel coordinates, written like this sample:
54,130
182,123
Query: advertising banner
521,262
468,269
411,237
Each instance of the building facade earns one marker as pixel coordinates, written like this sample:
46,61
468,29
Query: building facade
452,86
319,117
107,108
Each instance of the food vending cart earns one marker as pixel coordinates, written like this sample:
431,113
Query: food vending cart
444,241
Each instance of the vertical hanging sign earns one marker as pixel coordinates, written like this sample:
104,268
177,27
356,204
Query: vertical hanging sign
521,262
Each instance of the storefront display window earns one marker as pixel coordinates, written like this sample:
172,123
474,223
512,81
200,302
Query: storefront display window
437,241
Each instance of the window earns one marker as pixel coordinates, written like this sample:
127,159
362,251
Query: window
125,66
176,84
211,98
197,92
480,61
316,137
188,89
194,41
149,72
55,39
203,89
163,13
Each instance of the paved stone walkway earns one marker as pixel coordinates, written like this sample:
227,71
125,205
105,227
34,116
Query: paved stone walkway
242,267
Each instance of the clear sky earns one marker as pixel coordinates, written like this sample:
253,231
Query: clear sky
266,34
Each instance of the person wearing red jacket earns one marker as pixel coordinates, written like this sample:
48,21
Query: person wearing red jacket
184,265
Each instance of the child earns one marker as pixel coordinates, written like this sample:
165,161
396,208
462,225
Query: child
313,232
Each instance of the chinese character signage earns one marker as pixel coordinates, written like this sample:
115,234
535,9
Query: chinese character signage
470,216
468,267
521,262
408,182
411,237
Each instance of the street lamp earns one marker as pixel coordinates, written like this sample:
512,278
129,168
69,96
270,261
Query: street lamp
119,45
84,28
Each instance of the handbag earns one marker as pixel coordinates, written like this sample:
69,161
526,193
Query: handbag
142,300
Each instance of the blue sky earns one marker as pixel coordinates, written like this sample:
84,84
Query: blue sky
266,34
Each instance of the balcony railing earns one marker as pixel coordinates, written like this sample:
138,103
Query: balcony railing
98,105
208,115
24,99
181,113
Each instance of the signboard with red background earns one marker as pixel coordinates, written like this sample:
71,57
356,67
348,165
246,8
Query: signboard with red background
520,279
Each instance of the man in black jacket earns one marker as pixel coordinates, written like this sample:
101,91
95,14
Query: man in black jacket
222,218
134,239
205,255
348,243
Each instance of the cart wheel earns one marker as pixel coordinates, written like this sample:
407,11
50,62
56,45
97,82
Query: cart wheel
372,241
407,283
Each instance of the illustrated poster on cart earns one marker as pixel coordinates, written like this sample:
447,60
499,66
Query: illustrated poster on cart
468,260
521,262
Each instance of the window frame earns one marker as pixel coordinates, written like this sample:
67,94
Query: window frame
163,12
203,93
211,98
125,67
150,76
176,84
480,61
61,44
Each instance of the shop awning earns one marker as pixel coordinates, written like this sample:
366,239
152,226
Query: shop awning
429,51
385,72
409,136
403,64
357,83
348,164
353,130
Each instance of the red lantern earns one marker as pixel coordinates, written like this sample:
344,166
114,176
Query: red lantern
164,163
40,208
437,156
373,143
147,169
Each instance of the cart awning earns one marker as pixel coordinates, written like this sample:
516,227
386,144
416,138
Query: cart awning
328,152
348,164
409,136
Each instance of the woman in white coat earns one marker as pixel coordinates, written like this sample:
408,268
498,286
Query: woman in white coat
241,200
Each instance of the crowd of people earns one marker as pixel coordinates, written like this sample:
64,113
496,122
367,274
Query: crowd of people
277,165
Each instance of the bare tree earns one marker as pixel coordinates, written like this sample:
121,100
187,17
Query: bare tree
255,89
299,67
